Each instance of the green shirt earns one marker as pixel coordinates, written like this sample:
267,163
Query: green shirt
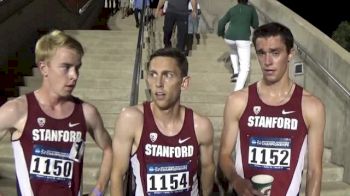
241,18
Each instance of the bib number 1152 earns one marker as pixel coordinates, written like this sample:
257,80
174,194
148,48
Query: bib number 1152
272,158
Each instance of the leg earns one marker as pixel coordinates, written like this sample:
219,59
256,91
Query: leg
233,55
169,22
195,28
182,29
243,48
136,14
189,40
198,37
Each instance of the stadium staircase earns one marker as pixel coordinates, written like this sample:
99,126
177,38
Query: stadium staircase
105,81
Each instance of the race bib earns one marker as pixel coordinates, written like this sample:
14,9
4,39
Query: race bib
51,164
269,153
167,178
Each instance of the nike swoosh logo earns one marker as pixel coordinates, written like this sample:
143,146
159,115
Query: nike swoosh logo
287,112
72,124
184,140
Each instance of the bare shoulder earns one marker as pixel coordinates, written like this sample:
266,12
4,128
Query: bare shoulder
129,123
311,102
312,107
237,101
203,128
240,96
130,118
13,114
89,109
131,113
15,107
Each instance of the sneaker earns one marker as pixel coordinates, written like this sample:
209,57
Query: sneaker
234,78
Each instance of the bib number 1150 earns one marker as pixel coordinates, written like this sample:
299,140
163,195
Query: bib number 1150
51,167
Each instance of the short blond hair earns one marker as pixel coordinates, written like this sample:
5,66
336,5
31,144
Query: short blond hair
47,45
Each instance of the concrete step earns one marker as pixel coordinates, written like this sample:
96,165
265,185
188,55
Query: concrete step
7,187
127,48
101,58
331,189
203,97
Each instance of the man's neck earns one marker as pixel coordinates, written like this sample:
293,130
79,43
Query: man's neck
275,93
169,121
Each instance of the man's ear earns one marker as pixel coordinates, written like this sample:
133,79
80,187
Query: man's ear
291,54
42,65
185,82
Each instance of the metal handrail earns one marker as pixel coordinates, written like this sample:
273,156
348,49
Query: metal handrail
138,57
300,48
337,82
85,6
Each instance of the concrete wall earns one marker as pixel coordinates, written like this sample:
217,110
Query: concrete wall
315,48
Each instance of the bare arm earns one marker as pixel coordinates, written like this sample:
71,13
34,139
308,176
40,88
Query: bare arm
204,132
314,114
13,115
159,7
194,8
103,140
234,107
128,123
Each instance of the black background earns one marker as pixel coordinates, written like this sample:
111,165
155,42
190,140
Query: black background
324,15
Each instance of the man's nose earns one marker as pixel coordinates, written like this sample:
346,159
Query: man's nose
73,74
267,59
159,81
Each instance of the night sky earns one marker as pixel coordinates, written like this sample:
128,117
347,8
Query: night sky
319,13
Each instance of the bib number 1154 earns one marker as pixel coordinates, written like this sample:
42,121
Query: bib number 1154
167,182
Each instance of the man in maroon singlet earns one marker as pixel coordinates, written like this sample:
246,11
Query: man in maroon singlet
165,141
49,126
273,124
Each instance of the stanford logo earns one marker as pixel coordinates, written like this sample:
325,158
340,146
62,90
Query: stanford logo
41,121
153,136
256,110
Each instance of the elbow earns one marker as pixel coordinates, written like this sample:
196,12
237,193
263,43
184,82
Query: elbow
314,174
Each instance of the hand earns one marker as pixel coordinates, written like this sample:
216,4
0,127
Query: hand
244,187
194,14
95,192
158,12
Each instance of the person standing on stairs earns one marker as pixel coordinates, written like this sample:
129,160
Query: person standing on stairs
241,18
193,23
48,126
125,6
273,124
138,4
165,141
176,14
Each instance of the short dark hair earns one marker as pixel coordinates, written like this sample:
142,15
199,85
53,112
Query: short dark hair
243,1
274,29
174,53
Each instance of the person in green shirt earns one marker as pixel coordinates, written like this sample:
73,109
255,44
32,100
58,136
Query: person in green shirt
240,18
